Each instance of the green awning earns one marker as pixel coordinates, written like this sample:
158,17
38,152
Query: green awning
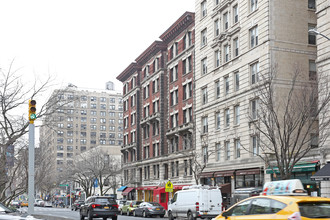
301,167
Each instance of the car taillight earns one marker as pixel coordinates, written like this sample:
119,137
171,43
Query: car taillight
95,205
197,206
295,216
116,206
150,208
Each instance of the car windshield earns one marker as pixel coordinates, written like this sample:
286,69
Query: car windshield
138,203
104,200
315,209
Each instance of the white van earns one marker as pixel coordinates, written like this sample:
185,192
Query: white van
195,202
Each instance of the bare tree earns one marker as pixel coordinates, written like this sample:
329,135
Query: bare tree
14,97
285,114
97,164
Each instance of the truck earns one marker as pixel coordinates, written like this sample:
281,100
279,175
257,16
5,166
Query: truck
195,202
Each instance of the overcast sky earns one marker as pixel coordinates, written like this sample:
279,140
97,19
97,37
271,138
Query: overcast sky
84,42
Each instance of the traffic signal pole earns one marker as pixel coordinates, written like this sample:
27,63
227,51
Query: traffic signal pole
31,170
32,117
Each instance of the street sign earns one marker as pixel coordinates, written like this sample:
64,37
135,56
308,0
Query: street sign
64,184
169,187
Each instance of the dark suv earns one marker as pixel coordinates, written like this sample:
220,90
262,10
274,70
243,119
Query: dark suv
99,207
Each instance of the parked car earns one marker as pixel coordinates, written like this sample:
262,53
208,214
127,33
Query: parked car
129,207
195,202
48,204
124,209
121,203
99,207
147,209
76,205
15,204
24,204
39,202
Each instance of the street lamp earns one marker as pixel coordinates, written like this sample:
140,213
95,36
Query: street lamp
314,31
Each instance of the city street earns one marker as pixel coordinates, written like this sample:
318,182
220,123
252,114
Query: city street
64,213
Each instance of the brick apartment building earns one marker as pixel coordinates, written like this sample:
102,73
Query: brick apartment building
158,114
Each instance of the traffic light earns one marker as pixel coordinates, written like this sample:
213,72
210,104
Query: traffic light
32,111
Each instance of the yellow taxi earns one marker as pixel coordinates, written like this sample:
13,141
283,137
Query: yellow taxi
280,200
24,204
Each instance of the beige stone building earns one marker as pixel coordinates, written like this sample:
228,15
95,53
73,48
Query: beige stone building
323,66
88,118
237,42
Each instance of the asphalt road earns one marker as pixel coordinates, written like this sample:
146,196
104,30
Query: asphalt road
67,214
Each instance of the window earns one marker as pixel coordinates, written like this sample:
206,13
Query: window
218,151
177,168
265,206
254,69
314,142
253,5
189,64
235,14
185,162
225,21
217,58
236,78
237,148
253,36
311,4
227,147
204,37
217,89
184,67
204,96
236,115
227,117
226,79
176,48
217,120
216,2
205,124
216,27
204,66
311,36
255,145
254,109
203,9
236,46
312,70
205,154
226,50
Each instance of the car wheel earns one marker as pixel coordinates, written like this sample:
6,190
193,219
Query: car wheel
90,215
81,216
161,216
114,217
190,216
105,218
134,213
170,216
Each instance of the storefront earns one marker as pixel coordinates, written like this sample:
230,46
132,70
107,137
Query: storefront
129,193
303,171
156,194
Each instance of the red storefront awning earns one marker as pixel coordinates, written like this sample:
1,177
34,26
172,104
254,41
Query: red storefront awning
127,190
179,186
